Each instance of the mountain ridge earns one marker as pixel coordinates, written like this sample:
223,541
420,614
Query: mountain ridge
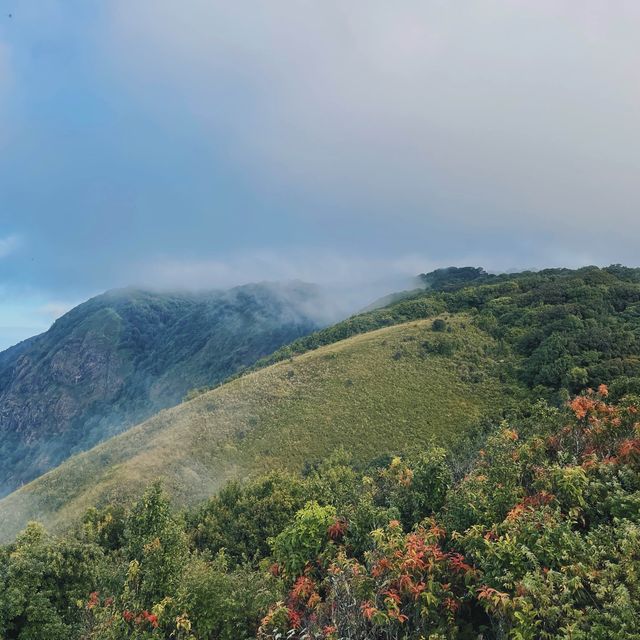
117,358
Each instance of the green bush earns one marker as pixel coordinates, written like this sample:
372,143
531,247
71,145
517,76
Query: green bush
302,542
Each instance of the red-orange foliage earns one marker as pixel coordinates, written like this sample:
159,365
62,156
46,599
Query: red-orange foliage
295,620
629,450
302,588
337,530
529,504
368,610
581,406
380,567
451,604
492,598
152,619
458,564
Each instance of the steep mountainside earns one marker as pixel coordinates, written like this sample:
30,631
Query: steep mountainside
120,357
390,390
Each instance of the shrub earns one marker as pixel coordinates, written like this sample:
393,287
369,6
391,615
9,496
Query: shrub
439,325
305,540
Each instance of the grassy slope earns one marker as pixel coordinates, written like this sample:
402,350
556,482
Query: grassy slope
383,391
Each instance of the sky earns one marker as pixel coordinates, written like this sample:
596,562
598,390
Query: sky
200,143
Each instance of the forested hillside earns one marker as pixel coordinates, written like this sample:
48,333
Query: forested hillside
116,359
568,328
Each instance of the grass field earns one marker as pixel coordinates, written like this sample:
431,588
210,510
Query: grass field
390,390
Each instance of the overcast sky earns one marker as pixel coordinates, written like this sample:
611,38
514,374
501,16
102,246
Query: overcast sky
203,143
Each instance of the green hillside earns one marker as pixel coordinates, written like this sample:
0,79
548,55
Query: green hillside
116,359
393,389
379,382
569,329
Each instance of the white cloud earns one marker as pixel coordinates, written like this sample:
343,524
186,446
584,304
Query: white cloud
322,267
353,282
487,114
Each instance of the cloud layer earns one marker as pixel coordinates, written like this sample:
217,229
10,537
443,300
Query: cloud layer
208,143
489,114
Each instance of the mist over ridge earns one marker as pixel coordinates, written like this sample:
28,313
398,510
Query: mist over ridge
119,357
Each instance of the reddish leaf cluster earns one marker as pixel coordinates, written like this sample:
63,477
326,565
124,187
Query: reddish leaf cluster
142,618
302,588
529,504
599,430
383,565
629,450
368,610
295,619
493,599
582,405
337,530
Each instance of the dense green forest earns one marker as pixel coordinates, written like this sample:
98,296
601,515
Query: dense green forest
524,525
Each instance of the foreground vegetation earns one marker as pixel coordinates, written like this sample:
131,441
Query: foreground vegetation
534,534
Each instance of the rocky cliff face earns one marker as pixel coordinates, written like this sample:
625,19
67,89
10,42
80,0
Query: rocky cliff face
118,358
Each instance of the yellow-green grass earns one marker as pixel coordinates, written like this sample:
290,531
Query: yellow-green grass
390,390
